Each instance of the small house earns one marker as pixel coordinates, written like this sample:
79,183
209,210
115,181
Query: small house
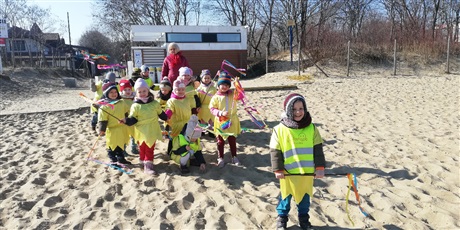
205,47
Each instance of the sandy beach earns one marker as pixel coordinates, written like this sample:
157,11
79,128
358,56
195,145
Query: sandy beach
398,134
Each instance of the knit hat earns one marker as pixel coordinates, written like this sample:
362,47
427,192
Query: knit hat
144,69
165,83
192,131
140,83
178,84
111,76
289,105
185,71
224,78
107,87
124,83
205,72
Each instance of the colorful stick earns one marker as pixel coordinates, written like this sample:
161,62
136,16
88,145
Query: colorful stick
94,147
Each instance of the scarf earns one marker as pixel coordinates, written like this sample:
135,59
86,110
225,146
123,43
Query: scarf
144,100
176,58
133,95
164,97
304,122
173,95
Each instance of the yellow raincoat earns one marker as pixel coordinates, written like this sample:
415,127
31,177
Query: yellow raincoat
147,129
190,95
129,102
116,133
204,113
97,95
182,110
226,103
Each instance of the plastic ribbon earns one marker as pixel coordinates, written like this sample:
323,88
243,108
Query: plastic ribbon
103,66
241,96
353,183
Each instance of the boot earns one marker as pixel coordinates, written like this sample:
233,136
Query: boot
304,222
124,161
134,147
184,169
236,161
148,168
281,222
220,162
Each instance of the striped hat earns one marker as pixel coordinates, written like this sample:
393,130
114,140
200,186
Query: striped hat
224,78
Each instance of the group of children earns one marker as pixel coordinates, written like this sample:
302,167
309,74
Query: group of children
295,146
129,114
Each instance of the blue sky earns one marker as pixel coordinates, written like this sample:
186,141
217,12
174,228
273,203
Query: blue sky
79,15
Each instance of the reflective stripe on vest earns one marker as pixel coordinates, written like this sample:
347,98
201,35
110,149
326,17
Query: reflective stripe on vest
194,145
297,148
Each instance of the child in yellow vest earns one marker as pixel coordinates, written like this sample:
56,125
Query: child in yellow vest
205,92
186,145
144,114
116,134
295,149
223,107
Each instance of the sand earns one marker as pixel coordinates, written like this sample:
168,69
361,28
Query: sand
398,134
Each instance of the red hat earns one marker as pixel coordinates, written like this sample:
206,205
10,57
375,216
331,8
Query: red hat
124,83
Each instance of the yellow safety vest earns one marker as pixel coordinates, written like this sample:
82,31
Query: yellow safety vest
297,148
195,146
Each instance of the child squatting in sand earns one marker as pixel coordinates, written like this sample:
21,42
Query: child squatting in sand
188,145
296,148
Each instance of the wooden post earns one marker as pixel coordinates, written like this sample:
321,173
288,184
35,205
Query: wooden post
348,59
448,54
394,59
298,56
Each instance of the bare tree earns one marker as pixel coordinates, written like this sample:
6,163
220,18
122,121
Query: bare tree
236,11
354,12
96,40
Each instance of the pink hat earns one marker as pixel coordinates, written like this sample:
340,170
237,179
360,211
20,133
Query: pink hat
178,84
185,71
140,83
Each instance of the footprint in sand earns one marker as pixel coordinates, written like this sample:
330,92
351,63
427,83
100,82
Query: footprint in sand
52,201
